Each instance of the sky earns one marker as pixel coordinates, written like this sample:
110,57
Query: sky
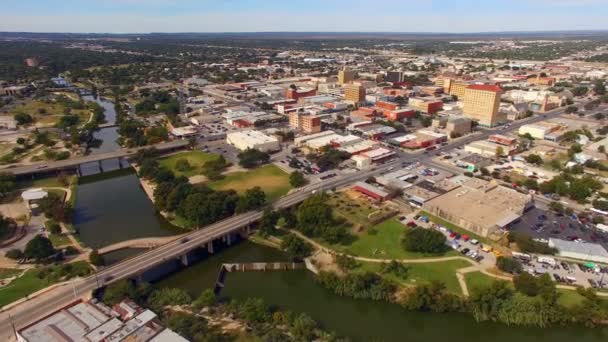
141,16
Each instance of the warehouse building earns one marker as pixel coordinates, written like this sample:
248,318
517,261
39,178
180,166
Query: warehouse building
480,206
580,250
253,140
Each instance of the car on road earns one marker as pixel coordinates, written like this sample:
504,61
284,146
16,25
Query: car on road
465,251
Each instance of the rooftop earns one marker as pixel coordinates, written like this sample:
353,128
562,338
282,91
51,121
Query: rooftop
485,87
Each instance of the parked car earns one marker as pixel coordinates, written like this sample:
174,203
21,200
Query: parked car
465,251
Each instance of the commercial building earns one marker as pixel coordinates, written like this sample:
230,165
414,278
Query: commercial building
481,103
371,191
93,321
479,206
458,126
253,140
426,106
455,87
346,76
422,139
394,76
502,140
489,149
399,114
314,142
354,93
371,130
542,81
305,122
539,130
580,250
296,94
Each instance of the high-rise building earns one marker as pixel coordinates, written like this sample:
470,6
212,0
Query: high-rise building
455,87
481,103
346,76
394,76
305,122
354,93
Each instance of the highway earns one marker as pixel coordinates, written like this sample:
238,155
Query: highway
45,167
36,308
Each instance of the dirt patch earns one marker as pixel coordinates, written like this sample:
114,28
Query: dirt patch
197,179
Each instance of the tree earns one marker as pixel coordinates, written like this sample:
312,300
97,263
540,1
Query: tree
571,110
599,88
500,151
297,179
39,248
96,259
7,183
534,159
314,214
14,254
508,265
53,227
423,241
163,297
183,165
251,158
23,118
296,248
119,290
206,299
254,198
268,222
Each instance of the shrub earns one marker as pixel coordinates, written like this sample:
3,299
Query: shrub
508,265
424,241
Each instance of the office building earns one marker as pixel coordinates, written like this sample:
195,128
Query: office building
253,140
481,103
354,93
305,122
346,76
296,94
394,76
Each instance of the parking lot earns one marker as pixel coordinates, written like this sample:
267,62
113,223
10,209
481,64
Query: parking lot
544,224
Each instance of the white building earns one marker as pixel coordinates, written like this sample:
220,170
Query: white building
580,250
253,140
538,130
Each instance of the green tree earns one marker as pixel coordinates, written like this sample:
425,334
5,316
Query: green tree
39,248
508,265
253,198
534,159
163,297
268,222
23,118
183,165
53,227
206,299
96,259
296,179
296,248
251,158
7,183
423,241
314,214
14,254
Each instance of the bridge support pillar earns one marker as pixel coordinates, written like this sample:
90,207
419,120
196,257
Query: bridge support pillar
228,239
100,166
120,163
78,172
210,247
184,259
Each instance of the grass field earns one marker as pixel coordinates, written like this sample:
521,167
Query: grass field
59,240
273,180
196,159
444,272
54,111
8,272
50,182
33,280
353,210
383,241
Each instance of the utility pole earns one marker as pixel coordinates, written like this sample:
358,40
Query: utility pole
13,326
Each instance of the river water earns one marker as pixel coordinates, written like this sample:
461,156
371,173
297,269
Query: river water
360,320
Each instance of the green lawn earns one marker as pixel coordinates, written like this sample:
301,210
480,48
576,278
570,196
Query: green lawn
196,159
569,298
50,182
54,112
444,272
354,211
8,272
273,180
32,280
59,240
384,242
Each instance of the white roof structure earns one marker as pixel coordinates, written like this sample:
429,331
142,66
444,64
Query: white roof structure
580,250
34,194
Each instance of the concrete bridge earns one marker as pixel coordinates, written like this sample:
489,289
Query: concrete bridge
147,243
74,164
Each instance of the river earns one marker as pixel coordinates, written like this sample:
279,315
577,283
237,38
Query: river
360,320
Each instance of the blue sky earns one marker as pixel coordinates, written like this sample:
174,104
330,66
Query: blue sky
117,16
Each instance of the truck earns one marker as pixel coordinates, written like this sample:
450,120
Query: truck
547,260
521,256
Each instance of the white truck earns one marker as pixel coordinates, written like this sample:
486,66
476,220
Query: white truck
547,260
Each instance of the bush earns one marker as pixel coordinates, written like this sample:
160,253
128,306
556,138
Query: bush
14,254
182,165
96,259
70,250
424,241
296,248
508,265
53,227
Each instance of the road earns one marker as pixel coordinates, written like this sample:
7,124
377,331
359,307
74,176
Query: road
44,167
46,303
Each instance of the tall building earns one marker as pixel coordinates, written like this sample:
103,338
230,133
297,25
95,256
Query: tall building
455,87
394,76
346,76
354,93
305,122
481,103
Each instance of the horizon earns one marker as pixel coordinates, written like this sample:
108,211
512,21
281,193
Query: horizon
336,16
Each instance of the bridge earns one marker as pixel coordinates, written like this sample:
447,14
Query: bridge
107,125
149,242
71,164
176,249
